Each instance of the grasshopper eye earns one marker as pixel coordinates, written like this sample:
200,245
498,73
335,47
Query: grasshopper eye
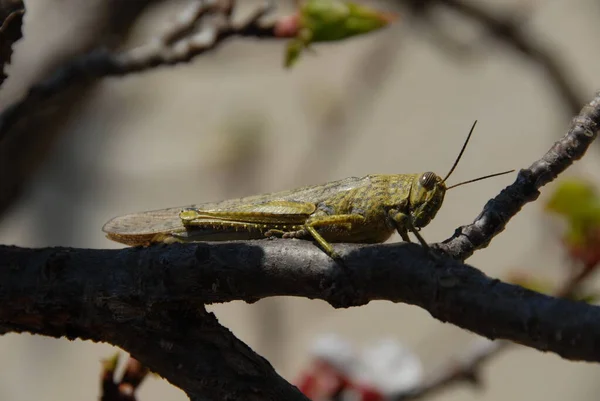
428,180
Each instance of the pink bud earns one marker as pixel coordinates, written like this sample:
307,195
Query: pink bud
288,26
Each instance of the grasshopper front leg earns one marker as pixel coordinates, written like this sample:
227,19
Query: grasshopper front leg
404,224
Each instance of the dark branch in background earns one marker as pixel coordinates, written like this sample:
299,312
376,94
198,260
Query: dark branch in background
180,44
508,31
499,210
11,20
341,121
34,127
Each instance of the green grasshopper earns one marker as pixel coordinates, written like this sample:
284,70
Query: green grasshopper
359,210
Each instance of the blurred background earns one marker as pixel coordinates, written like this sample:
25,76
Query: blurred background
233,122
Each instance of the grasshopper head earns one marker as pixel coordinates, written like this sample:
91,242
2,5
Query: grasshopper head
428,190
426,197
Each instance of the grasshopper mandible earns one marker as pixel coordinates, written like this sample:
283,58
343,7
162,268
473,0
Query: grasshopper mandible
360,210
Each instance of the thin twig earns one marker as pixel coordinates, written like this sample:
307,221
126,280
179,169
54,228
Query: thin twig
125,387
499,210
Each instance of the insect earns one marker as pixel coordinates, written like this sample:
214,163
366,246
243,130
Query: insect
357,209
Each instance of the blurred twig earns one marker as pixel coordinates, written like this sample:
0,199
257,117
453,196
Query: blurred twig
123,389
508,30
11,19
180,43
341,120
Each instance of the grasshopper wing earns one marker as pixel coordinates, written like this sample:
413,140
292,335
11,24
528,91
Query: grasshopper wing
243,218
271,213
206,222
145,228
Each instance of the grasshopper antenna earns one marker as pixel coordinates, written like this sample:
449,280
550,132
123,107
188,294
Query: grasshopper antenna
479,179
461,152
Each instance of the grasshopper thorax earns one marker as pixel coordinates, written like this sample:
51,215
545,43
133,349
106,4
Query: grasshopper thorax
426,197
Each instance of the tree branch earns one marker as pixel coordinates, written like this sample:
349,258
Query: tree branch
76,292
43,292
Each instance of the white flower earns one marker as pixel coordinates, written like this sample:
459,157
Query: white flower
335,350
390,367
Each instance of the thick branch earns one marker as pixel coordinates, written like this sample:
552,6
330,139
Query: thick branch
73,292
141,306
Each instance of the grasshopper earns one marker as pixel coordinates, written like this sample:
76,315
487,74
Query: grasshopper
357,209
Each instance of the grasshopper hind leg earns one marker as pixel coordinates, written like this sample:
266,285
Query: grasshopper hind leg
310,230
326,246
306,233
341,221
